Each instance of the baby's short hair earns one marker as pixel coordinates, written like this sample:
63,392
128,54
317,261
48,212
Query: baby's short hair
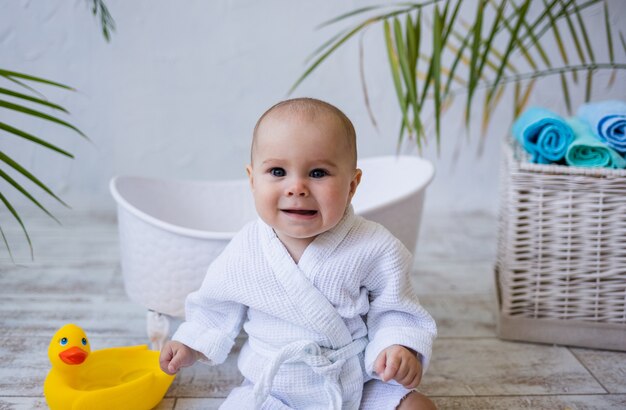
311,106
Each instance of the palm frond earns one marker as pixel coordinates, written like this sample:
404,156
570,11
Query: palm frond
512,42
394,65
366,97
24,192
13,212
39,114
107,24
507,24
573,33
6,244
437,49
480,54
12,75
476,34
566,97
609,43
26,97
32,138
557,34
13,164
22,80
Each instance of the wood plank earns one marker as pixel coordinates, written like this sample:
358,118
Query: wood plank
463,237
597,401
64,245
462,315
37,300
446,277
491,367
198,404
22,403
29,403
606,366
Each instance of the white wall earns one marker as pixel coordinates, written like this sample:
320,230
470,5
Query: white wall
179,88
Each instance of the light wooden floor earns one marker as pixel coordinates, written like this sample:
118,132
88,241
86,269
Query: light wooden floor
75,278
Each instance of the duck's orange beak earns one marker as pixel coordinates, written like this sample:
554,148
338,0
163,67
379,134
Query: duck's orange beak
74,355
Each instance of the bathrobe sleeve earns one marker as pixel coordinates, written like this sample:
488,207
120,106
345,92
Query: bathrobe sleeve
395,315
214,314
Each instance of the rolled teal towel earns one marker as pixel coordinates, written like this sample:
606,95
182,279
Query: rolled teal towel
588,151
607,119
543,134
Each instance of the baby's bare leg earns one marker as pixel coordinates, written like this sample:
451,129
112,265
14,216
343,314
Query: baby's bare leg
415,401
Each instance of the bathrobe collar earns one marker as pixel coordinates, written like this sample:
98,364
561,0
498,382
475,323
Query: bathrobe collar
320,315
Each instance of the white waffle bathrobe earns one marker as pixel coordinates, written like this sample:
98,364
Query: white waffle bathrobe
315,328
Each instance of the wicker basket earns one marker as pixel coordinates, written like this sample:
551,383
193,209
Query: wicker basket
561,267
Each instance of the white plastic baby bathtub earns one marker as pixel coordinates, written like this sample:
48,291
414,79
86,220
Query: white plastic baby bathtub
171,230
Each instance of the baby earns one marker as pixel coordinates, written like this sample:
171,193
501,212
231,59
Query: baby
324,295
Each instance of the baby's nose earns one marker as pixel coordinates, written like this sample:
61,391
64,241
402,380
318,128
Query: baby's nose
297,188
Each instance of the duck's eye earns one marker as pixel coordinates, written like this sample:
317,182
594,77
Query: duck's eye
277,172
84,341
63,341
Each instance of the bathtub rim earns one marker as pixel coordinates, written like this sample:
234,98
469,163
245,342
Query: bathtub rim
169,227
429,167
202,234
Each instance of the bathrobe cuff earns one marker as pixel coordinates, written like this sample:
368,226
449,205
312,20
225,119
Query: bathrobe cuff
410,337
212,343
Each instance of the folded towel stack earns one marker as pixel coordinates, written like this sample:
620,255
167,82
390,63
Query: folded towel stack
543,134
595,138
588,151
608,120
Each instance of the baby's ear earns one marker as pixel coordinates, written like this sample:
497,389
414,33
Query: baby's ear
356,180
250,176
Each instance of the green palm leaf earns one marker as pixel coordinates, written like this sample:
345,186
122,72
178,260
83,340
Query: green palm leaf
408,76
394,65
10,162
573,34
18,78
21,80
609,42
21,189
566,97
13,212
32,99
512,28
38,114
475,57
437,34
34,139
10,75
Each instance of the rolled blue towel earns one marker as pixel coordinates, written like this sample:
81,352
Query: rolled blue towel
544,134
607,119
588,151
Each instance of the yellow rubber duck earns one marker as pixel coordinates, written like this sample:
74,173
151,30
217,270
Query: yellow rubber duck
117,378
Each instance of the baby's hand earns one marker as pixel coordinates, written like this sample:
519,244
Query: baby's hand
176,355
400,364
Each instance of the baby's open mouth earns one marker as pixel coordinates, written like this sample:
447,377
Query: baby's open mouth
308,212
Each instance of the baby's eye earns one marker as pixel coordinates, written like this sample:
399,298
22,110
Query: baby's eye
318,173
63,341
277,172
84,341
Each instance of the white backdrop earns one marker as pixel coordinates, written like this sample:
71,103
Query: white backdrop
179,88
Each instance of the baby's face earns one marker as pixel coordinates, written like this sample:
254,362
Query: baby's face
302,174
